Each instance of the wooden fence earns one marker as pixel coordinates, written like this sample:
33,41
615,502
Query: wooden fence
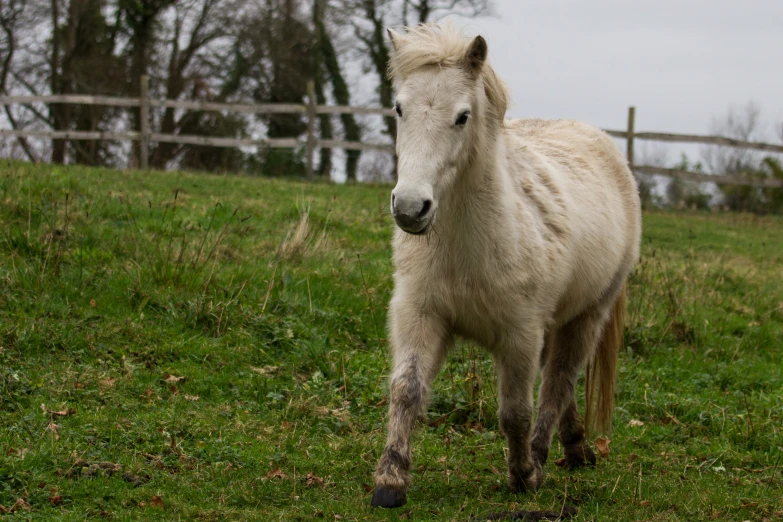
630,135
313,110
144,136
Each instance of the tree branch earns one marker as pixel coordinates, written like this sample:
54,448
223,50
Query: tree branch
22,140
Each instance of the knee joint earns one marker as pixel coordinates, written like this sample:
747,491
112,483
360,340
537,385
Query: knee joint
406,390
513,423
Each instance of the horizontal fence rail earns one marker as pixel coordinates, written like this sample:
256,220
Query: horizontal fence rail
264,108
695,138
312,110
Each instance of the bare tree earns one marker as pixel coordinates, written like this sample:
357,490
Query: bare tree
741,123
745,124
78,57
196,23
322,42
327,62
11,12
142,20
422,11
14,16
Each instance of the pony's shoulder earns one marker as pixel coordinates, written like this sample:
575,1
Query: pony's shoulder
566,134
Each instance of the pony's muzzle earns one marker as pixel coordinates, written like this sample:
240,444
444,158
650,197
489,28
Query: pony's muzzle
412,210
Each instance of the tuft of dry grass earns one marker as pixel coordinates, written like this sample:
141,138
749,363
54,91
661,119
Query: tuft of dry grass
296,243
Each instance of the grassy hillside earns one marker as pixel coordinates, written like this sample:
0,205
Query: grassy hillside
178,346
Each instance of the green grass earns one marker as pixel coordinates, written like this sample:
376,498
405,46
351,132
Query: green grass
217,344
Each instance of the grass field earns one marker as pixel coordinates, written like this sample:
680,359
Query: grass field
179,346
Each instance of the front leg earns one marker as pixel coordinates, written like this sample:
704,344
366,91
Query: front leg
516,363
419,344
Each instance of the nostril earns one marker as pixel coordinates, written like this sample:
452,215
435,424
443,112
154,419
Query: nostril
393,198
425,209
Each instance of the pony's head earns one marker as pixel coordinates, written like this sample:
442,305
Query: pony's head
449,105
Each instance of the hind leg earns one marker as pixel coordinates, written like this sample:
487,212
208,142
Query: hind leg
571,433
571,347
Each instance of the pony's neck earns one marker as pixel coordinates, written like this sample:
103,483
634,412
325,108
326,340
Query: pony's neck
479,203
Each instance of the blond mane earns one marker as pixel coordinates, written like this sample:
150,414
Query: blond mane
443,45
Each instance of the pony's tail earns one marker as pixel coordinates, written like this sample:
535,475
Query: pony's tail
601,372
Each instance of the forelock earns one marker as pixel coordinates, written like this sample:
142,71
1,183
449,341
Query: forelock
428,44
443,45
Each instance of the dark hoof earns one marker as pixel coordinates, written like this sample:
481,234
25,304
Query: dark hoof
526,481
579,455
388,498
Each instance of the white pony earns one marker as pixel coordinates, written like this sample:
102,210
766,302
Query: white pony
518,235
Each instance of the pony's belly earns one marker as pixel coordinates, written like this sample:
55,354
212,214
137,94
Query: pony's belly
588,286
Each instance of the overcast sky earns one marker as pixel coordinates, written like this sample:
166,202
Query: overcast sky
680,62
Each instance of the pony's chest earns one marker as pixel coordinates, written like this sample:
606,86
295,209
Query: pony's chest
476,302
479,306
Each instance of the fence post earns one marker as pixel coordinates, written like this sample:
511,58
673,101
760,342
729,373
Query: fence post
629,136
311,142
144,122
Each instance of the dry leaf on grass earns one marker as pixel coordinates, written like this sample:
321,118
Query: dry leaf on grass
561,462
92,303
495,470
312,480
107,382
440,420
266,370
61,413
341,413
602,445
191,397
276,473
173,378
19,504
157,502
54,429
634,423
56,500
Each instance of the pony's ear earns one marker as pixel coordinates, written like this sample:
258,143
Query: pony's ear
476,54
396,39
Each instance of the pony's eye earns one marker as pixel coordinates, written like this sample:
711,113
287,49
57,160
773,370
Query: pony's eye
398,109
463,119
